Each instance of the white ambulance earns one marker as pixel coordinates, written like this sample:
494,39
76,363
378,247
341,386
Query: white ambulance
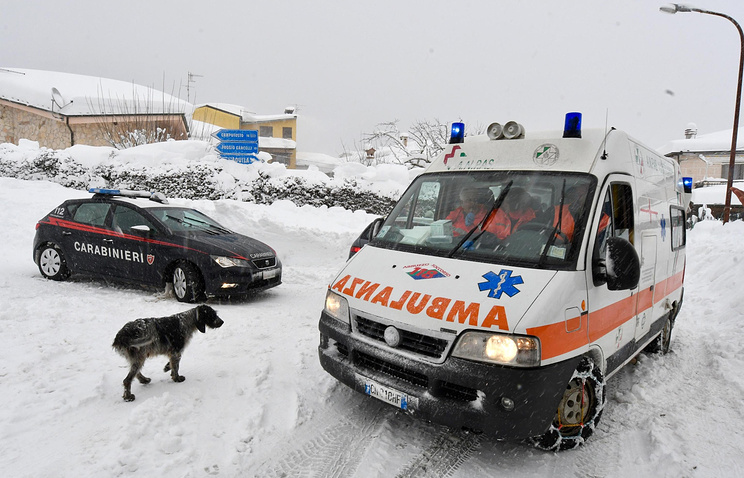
513,277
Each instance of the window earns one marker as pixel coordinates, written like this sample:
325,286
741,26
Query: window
677,227
616,220
125,218
266,131
287,133
93,213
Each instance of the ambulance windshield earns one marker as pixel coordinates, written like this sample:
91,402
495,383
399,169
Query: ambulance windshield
523,218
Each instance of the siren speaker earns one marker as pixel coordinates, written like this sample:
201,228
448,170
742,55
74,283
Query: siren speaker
513,130
495,131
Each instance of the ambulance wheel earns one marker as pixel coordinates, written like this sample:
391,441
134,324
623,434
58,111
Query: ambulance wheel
52,263
578,411
188,284
661,343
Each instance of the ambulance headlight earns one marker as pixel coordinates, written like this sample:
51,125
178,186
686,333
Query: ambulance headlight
230,261
515,350
337,307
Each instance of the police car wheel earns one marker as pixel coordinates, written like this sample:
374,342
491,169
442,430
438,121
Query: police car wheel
187,283
578,412
52,264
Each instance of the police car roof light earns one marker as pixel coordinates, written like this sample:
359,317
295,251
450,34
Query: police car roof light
154,196
572,127
457,134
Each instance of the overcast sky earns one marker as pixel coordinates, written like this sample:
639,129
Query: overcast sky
349,65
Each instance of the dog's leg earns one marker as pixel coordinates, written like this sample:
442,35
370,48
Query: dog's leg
133,371
142,379
175,359
167,367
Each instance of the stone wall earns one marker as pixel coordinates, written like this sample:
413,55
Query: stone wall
16,124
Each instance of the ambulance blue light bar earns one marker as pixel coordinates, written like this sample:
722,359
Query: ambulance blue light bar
687,184
154,196
572,127
457,133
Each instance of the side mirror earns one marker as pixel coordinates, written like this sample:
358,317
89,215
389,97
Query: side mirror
621,268
369,233
374,228
140,230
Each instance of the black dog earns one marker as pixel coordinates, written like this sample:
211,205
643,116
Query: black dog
143,338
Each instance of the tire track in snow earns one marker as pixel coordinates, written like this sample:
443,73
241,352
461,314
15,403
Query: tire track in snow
447,452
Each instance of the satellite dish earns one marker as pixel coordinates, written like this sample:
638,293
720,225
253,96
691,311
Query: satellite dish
57,98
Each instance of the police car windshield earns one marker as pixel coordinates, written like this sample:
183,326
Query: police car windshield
522,218
188,220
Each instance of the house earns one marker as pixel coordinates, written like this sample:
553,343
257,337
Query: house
277,134
706,156
59,110
706,159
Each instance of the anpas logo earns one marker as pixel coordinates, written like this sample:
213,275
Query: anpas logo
501,283
425,271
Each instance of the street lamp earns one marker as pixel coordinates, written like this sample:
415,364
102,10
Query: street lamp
676,7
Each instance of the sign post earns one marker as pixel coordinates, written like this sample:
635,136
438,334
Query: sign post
239,145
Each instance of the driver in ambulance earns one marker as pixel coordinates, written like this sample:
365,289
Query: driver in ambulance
471,212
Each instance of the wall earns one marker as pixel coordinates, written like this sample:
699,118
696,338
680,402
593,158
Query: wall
216,117
16,124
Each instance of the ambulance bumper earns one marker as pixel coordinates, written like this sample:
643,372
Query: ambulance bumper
504,402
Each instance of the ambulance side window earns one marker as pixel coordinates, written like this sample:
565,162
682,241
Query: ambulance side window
677,227
616,216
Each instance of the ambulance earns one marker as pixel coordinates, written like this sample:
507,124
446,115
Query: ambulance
570,265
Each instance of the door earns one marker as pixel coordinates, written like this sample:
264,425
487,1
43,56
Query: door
611,312
646,286
87,242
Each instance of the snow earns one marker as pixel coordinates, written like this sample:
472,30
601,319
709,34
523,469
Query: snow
717,141
84,95
257,403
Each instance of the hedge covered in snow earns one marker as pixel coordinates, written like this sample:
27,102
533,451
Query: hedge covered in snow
192,170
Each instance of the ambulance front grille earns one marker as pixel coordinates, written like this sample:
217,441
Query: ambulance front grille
410,341
392,370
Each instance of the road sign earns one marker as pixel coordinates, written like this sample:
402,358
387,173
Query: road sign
235,148
241,158
240,135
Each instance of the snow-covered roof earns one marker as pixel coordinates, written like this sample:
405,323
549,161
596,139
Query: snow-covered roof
323,162
79,95
246,116
718,141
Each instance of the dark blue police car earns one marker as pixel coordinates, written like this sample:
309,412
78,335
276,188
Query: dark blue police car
137,236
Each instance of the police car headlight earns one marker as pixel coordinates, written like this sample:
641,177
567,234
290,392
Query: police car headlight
230,261
337,307
515,350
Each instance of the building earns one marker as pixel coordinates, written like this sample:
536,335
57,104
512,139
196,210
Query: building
59,110
706,156
277,134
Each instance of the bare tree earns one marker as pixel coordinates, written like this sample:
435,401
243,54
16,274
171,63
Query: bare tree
126,122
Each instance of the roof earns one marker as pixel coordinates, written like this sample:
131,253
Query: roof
246,116
719,141
79,95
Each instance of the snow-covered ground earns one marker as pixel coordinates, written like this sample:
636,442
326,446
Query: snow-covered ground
257,403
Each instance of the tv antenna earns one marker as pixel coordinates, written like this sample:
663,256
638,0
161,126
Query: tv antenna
190,79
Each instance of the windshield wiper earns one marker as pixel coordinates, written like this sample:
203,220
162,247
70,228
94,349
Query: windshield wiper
496,205
557,227
223,230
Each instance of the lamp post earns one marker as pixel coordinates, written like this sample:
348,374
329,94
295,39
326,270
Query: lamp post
676,7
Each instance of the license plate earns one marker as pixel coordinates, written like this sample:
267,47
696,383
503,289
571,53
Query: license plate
270,274
389,395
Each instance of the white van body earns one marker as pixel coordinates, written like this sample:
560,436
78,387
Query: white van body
497,335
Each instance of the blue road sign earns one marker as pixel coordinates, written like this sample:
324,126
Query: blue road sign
237,148
240,135
241,158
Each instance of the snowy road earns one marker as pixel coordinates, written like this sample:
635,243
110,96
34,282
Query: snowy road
257,403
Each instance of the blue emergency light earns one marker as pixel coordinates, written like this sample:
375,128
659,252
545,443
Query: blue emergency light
572,128
457,134
687,184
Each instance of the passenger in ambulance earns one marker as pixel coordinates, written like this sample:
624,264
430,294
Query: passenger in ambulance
573,205
515,211
472,210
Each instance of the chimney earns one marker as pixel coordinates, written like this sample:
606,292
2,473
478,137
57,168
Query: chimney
691,131
404,139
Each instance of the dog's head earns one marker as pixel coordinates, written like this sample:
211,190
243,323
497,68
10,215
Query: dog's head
207,317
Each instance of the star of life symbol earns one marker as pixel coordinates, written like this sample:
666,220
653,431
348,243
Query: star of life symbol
501,283
546,155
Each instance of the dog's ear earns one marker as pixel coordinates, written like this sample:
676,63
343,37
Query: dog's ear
200,325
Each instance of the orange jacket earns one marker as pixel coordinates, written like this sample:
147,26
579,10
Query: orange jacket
503,225
458,218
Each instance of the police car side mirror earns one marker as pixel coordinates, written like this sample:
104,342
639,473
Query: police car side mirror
622,268
141,230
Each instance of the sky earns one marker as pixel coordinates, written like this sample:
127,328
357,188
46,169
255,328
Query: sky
350,65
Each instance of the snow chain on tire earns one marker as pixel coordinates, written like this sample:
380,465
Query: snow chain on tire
587,381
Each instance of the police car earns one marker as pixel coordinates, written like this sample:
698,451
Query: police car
137,236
